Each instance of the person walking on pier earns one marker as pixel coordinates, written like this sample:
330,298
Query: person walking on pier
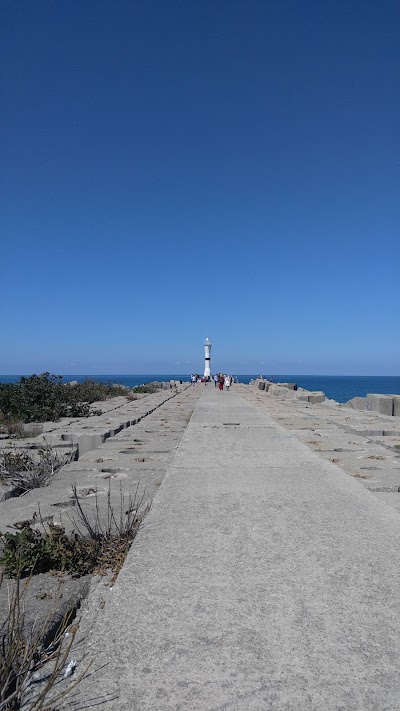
227,382
221,382
215,380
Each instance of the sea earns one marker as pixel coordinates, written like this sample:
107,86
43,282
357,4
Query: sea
336,387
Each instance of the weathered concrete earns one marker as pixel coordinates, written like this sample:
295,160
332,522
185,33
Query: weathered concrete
396,405
357,403
264,578
136,456
316,397
87,433
366,445
380,403
289,386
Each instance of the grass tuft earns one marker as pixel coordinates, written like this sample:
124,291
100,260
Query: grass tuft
31,469
26,650
101,540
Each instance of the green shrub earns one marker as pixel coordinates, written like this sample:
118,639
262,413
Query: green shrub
39,398
91,391
147,388
30,551
101,541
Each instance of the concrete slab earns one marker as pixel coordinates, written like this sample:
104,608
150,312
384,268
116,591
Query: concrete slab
390,498
316,397
252,589
357,403
120,463
396,405
381,403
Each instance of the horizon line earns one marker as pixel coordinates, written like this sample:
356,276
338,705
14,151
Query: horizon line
127,375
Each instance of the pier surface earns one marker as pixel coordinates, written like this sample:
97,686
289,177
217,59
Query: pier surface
264,578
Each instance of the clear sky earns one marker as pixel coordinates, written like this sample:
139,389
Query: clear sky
176,169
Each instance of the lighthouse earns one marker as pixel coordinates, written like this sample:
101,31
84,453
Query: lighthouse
207,358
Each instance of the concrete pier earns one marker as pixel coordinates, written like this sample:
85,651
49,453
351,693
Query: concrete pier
264,579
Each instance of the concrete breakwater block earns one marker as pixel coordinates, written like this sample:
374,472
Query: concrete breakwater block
396,405
316,397
357,403
280,392
380,403
289,386
263,385
312,397
276,390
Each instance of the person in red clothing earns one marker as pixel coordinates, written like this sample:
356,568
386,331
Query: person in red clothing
221,380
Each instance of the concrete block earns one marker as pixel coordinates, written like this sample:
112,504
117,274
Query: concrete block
275,390
289,386
86,442
380,403
302,397
357,403
396,405
315,398
261,384
280,391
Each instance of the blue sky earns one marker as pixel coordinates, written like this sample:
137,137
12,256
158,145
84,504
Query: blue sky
173,170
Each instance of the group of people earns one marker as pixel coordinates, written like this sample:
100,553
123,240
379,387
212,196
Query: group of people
220,380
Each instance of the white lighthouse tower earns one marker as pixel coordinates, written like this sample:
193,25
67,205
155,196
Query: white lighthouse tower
207,361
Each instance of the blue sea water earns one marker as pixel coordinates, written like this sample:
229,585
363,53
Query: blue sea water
344,387
336,387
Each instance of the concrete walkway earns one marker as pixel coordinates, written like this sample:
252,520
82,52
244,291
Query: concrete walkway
263,579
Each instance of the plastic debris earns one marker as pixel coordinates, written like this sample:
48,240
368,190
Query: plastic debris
70,669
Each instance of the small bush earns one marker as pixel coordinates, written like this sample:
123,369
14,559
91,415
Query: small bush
101,541
31,551
32,469
91,391
16,429
147,388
